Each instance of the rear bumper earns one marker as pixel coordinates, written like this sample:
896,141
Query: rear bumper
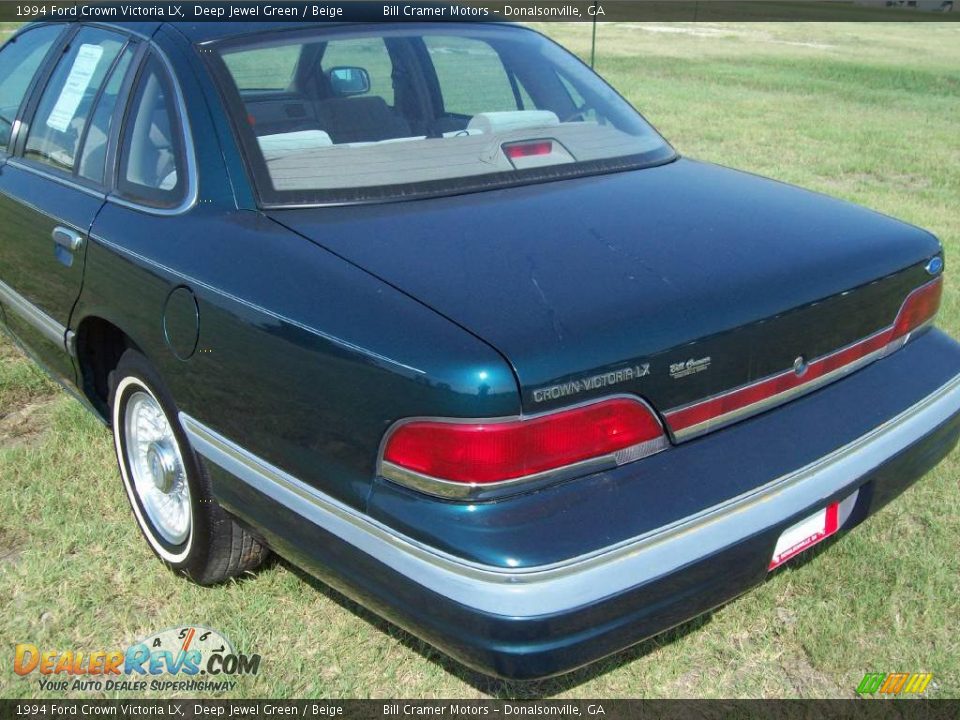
528,622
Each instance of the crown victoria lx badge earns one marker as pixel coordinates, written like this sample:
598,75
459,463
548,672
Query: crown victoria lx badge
593,382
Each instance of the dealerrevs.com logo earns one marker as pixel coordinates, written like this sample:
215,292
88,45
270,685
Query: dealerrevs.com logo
189,658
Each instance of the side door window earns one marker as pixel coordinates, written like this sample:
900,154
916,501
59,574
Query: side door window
582,111
19,61
93,152
264,70
369,53
473,78
153,168
60,121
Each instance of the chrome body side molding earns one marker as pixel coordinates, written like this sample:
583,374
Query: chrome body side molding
20,164
542,590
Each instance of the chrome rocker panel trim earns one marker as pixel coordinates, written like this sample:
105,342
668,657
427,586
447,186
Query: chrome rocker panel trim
34,316
537,591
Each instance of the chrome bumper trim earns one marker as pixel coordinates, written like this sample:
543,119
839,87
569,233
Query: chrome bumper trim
530,592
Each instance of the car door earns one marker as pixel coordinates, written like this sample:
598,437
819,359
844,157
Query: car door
22,59
53,185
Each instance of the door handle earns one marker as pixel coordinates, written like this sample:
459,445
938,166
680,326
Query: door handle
67,238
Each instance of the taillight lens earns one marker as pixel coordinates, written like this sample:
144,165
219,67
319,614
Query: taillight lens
919,307
491,452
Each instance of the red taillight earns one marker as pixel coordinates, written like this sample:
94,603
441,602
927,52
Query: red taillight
919,307
483,453
528,149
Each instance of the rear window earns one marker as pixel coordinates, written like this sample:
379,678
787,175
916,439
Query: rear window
399,113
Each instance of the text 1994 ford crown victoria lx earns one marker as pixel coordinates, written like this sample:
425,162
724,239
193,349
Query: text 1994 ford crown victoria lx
433,312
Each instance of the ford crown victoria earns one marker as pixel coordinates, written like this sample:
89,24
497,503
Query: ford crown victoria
430,310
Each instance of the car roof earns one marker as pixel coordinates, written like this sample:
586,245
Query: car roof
200,32
197,32
143,29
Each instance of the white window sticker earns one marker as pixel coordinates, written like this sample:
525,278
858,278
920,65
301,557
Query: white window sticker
84,65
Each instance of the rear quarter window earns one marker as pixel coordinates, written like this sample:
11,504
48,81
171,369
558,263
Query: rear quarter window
153,168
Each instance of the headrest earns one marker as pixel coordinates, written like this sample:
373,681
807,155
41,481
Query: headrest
281,143
501,122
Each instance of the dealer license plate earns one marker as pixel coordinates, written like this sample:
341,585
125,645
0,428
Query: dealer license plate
805,534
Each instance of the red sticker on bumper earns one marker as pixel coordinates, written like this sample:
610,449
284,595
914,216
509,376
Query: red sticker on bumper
805,534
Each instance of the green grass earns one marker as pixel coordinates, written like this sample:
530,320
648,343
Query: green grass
865,112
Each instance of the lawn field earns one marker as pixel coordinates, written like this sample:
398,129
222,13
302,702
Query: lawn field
870,113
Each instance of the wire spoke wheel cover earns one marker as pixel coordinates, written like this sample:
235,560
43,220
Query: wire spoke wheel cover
153,469
154,459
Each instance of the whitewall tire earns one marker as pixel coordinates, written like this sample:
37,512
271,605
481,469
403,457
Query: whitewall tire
167,484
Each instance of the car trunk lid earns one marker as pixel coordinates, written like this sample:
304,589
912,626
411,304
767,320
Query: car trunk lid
677,283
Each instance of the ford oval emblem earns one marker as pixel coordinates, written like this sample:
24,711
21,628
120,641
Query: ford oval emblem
800,365
935,265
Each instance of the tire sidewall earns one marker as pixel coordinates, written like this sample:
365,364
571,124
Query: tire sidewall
135,374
